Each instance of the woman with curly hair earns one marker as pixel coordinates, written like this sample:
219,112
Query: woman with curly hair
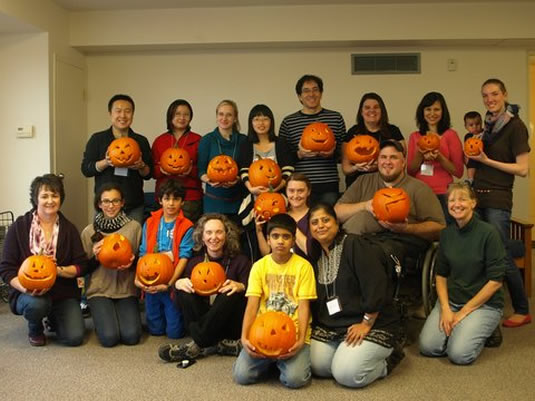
214,323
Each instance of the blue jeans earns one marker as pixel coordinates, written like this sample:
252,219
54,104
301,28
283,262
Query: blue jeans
65,315
351,366
501,220
163,317
467,339
294,372
116,320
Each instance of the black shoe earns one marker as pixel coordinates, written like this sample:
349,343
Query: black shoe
177,352
495,339
229,347
394,358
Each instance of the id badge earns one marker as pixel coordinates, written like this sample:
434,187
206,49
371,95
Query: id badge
333,306
121,171
426,169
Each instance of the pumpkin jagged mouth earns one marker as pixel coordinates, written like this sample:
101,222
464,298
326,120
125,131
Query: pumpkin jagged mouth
365,151
36,278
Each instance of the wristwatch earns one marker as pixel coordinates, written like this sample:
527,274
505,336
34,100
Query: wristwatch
367,319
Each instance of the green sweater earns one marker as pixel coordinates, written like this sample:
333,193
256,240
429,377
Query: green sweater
469,257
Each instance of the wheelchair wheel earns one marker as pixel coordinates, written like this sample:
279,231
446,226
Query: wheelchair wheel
429,292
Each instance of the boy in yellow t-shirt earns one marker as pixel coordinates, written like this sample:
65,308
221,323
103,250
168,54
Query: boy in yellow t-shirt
280,281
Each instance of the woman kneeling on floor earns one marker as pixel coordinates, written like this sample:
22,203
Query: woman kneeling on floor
470,269
215,327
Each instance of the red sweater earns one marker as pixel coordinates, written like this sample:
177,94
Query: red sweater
190,142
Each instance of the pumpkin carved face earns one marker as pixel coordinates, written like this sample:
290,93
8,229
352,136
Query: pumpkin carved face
37,272
222,169
429,142
391,204
264,173
175,161
273,334
207,278
124,152
362,149
268,204
318,137
154,269
116,251
473,146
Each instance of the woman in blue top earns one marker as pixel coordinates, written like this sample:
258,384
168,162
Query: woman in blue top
225,139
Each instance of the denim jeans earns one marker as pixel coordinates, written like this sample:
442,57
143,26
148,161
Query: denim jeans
162,316
466,340
351,366
65,315
501,220
116,320
294,372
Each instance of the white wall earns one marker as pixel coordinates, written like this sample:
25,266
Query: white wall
154,79
24,99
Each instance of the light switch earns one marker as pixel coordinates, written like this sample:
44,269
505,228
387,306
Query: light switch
25,131
452,64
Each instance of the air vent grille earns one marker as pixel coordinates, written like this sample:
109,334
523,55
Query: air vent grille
385,63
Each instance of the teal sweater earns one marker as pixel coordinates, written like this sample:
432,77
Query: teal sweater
469,257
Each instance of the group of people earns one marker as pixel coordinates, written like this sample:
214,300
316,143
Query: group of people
328,262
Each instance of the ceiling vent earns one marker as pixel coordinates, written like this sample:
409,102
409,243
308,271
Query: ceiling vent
385,63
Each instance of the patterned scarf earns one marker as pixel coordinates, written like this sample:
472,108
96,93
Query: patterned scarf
494,124
107,225
38,244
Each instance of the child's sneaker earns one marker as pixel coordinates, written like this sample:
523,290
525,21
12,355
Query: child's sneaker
179,352
495,339
229,347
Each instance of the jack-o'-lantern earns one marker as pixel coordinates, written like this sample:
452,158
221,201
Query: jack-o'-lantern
391,204
154,269
362,149
175,161
265,173
222,169
116,251
273,334
207,278
123,152
473,146
37,272
268,204
429,142
318,137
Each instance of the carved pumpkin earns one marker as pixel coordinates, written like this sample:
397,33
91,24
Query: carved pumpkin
273,334
361,149
264,173
116,251
429,142
391,204
154,269
175,161
222,169
37,272
318,137
124,152
207,278
268,204
473,146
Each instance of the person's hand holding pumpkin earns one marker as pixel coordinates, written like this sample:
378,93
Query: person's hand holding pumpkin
231,287
303,153
139,164
294,349
250,349
128,265
184,284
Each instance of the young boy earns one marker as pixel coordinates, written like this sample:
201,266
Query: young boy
166,231
474,126
280,281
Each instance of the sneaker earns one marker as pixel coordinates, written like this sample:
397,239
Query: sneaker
179,352
394,358
48,325
84,306
495,339
229,347
37,340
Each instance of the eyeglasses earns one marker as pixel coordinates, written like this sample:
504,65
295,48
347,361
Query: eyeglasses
108,202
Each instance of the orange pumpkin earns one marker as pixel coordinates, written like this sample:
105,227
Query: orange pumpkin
154,269
429,142
362,149
273,334
175,161
318,137
473,146
264,173
116,251
391,204
268,204
222,169
124,152
207,278
37,272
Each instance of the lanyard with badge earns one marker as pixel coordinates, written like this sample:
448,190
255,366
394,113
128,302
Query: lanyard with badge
333,301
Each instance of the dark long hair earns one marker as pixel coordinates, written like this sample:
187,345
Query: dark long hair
428,100
256,111
171,110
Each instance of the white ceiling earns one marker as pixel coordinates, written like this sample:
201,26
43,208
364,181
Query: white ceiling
93,5
12,25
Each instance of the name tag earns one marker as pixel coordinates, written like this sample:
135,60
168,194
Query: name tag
121,171
426,169
333,306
